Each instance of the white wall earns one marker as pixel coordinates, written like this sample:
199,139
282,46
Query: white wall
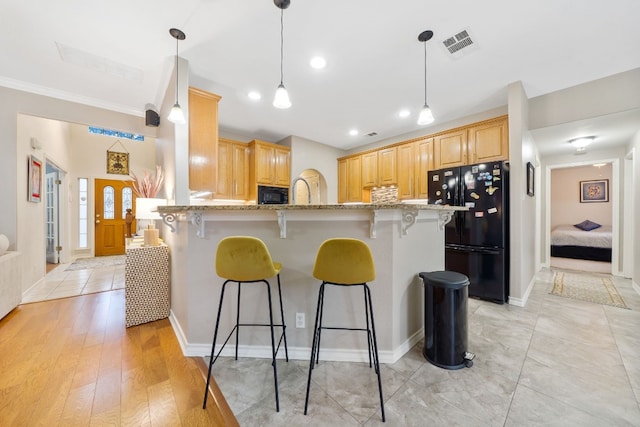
565,196
635,232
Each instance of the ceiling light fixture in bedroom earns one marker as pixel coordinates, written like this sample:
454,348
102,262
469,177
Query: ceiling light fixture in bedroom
580,144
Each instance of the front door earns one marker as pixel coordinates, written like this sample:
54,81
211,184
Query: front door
113,198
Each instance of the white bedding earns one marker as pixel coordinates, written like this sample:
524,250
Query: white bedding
568,235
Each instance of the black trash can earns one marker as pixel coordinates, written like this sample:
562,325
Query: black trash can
445,319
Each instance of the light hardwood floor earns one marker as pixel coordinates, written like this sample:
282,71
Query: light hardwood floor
72,362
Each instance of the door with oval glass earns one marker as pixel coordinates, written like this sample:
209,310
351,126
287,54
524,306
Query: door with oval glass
113,198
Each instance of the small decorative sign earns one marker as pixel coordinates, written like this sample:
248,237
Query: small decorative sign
117,163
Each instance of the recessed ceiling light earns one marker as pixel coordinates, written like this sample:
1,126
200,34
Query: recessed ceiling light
255,96
318,62
353,132
404,113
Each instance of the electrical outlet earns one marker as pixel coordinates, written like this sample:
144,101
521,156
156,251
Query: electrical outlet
300,320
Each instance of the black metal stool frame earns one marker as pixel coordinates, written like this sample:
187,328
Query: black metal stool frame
372,342
236,329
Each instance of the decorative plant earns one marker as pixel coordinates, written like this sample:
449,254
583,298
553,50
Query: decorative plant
148,185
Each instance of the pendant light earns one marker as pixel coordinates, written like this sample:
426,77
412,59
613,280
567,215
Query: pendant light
426,116
281,100
177,115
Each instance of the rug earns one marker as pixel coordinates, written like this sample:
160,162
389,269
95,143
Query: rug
591,288
97,262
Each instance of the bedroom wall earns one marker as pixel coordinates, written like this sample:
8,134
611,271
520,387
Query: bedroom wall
565,196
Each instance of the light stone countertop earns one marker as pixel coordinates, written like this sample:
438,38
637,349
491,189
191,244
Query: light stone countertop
355,206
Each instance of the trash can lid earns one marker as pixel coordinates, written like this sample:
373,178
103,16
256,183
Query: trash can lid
445,279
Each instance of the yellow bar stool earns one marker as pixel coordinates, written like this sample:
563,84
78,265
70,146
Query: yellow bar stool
245,259
345,262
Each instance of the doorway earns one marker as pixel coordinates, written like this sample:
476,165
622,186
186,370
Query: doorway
53,214
112,199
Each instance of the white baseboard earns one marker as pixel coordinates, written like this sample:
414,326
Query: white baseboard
521,302
295,353
635,286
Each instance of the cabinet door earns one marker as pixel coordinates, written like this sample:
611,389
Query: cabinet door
282,173
387,172
203,140
450,149
354,171
264,164
406,162
240,168
343,181
424,163
370,169
489,142
225,171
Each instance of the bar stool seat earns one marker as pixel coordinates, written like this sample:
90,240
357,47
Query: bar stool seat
246,259
345,262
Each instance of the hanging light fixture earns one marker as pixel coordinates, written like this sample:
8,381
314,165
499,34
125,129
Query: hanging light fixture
426,116
177,115
281,100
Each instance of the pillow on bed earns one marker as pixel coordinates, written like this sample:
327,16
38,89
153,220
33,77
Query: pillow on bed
587,225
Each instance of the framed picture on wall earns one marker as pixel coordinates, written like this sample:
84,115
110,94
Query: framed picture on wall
34,175
531,179
594,191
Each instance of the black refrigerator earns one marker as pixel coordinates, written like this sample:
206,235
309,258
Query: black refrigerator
477,240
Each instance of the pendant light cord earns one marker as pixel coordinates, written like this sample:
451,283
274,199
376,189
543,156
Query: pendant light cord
425,72
177,41
281,43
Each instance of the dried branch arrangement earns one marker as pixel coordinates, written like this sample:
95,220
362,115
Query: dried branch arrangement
148,185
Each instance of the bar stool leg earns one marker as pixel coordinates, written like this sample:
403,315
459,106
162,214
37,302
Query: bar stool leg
273,347
213,346
284,327
314,344
366,315
322,289
375,349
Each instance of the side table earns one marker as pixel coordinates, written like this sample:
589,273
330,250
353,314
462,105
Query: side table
146,283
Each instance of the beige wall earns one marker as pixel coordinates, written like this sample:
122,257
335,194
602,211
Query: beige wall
565,196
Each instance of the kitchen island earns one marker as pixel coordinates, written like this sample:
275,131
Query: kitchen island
405,239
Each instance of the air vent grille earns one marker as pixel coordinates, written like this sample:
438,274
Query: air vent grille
372,133
457,42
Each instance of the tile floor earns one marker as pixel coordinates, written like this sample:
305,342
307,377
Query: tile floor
555,362
59,283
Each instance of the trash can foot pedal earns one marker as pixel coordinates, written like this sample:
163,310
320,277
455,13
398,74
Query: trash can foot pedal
468,359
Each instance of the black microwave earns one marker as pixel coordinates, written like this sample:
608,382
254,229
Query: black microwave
272,195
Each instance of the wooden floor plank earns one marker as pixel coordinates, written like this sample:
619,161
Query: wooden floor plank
72,362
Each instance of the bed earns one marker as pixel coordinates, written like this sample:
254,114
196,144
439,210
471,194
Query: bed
568,241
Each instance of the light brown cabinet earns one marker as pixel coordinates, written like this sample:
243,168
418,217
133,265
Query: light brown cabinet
203,139
350,187
424,163
233,170
370,169
482,142
415,159
269,164
387,171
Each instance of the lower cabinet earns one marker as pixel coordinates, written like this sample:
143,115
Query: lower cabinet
146,284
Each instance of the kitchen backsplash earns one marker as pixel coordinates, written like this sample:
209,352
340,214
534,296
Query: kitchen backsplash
384,195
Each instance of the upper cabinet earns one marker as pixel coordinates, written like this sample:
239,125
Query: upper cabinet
203,140
370,169
233,170
481,142
387,171
350,188
415,159
489,141
270,164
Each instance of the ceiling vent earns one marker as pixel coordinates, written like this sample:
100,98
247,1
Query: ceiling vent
372,133
459,44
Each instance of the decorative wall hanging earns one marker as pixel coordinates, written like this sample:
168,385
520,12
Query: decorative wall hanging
594,191
118,162
35,179
531,179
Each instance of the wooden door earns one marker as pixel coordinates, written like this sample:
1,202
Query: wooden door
112,199
240,171
424,163
370,169
450,149
406,163
282,167
387,172
489,142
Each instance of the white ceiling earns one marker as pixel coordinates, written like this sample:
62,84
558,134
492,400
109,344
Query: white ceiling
120,56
